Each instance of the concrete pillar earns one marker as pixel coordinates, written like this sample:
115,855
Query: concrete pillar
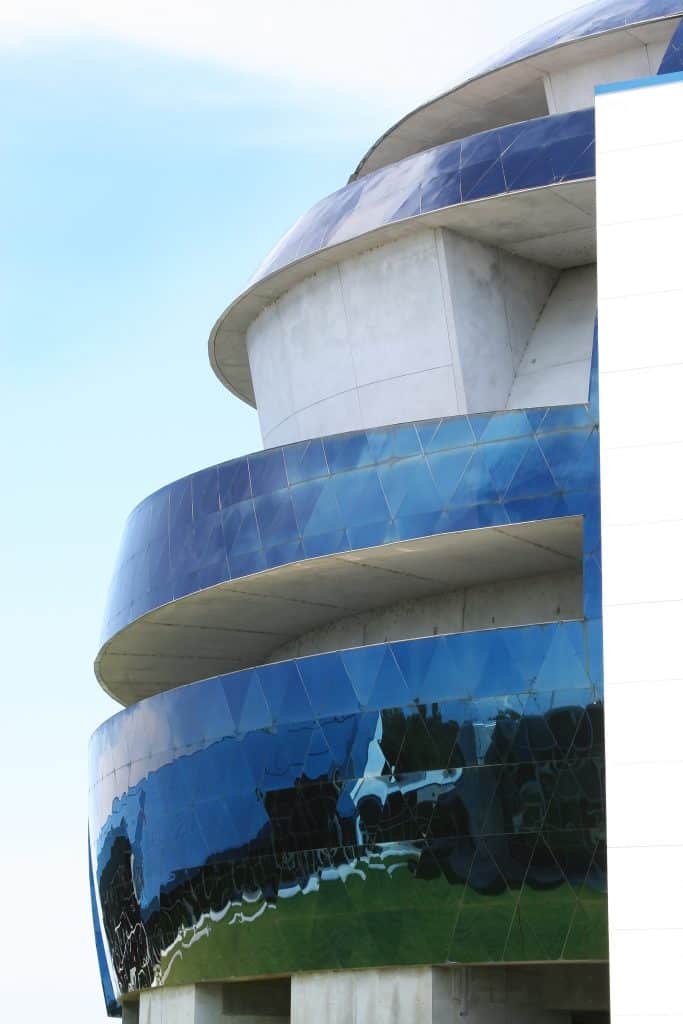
401,995
185,1004
417,995
131,1012
265,1002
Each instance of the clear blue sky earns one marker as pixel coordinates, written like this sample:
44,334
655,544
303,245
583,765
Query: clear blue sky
146,166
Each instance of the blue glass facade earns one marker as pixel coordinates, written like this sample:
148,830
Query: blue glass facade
352,491
420,801
588,20
443,797
545,151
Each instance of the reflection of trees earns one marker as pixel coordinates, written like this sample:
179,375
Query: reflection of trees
126,934
515,800
419,741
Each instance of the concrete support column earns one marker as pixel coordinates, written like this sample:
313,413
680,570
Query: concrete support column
392,996
185,1004
259,1002
417,995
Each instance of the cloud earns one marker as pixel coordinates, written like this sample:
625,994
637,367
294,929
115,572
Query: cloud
395,48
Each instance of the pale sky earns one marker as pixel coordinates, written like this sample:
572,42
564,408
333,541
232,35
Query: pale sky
150,154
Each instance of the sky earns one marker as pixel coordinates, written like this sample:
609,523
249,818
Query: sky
150,155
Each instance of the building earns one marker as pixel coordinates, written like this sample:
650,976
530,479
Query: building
360,773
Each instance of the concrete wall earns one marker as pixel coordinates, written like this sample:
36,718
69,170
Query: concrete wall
252,1002
545,598
426,326
360,344
186,1004
492,303
532,994
640,227
573,88
556,364
427,995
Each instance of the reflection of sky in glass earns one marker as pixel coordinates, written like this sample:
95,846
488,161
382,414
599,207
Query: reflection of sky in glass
205,795
546,151
589,19
348,492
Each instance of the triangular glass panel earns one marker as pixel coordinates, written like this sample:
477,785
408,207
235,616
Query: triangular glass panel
446,434
318,760
393,736
491,183
398,442
284,692
503,459
275,518
545,917
361,497
524,510
414,658
305,461
447,468
258,748
254,712
267,471
572,457
505,426
340,735
499,675
388,686
532,477
587,938
367,757
536,418
479,422
362,665
326,543
476,485
527,647
328,685
316,508
565,417
561,668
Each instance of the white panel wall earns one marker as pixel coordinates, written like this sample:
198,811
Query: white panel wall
640,298
431,325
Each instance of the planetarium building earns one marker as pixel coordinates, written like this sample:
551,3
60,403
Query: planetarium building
370,766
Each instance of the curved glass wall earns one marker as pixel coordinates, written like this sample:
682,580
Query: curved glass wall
352,491
546,151
415,802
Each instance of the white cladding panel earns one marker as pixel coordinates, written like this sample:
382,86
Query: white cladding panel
640,296
430,325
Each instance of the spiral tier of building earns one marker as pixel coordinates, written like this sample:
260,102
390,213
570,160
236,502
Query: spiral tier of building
369,703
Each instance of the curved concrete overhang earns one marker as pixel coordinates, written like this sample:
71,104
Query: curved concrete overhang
510,86
304,535
527,188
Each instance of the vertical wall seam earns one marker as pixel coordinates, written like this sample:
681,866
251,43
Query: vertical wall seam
447,299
